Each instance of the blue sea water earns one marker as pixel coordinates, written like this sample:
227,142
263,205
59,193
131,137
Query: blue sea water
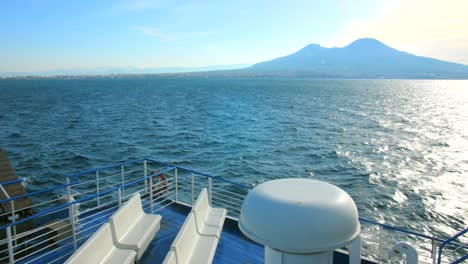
399,147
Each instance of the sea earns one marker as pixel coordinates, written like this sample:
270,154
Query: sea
398,147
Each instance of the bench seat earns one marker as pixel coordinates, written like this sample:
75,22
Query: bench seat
132,228
99,248
198,237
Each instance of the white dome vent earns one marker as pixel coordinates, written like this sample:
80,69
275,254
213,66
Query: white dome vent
299,216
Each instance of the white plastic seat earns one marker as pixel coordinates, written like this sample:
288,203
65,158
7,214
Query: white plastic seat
132,228
198,237
209,220
100,248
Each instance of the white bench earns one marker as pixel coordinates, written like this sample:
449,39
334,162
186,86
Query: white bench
132,228
198,237
100,249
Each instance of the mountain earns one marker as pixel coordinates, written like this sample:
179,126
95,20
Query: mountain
364,58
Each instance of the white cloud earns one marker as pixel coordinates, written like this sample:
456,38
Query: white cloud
432,28
169,37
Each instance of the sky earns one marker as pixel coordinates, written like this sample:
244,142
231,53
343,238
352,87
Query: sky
45,35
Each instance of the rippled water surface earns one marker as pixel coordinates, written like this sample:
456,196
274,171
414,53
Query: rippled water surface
400,148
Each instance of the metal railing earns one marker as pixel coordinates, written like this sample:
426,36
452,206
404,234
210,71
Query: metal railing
90,197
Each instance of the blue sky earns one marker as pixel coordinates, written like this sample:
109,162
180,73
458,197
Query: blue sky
51,34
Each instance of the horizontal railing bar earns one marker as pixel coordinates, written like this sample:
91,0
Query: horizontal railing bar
60,257
86,181
111,185
162,207
103,168
132,190
202,174
132,171
144,178
36,244
42,254
233,193
39,204
84,230
101,213
41,249
233,209
11,182
49,232
148,203
460,260
107,176
221,202
163,197
230,197
400,229
188,181
82,193
38,192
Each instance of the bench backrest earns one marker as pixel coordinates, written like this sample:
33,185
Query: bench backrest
201,209
96,248
186,240
126,217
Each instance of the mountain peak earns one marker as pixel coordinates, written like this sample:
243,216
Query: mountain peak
363,58
366,43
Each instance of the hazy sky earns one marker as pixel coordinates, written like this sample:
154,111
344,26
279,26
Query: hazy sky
53,34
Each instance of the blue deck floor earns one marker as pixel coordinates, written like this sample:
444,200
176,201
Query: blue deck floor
233,247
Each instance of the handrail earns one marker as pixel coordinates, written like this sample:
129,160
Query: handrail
145,178
460,260
449,241
89,197
103,168
39,192
400,229
202,174
11,182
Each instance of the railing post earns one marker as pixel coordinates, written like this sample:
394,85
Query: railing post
122,172
119,195
98,189
12,205
11,256
151,194
176,183
71,214
434,252
13,220
210,191
193,189
145,171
